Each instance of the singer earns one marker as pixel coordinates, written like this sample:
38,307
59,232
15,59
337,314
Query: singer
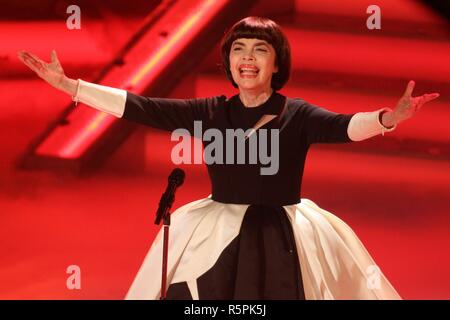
254,237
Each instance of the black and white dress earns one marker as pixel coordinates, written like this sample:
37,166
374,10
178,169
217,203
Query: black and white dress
254,237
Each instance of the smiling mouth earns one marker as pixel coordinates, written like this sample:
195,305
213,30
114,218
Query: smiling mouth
248,72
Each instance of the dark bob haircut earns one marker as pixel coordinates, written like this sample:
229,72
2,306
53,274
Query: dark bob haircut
262,29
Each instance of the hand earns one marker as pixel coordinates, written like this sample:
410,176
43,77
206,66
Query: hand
408,106
51,72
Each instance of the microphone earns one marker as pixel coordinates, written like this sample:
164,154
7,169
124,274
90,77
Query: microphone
176,179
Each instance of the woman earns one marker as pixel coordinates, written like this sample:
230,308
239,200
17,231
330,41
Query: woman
254,237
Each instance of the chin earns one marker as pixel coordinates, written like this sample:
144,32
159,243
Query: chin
248,86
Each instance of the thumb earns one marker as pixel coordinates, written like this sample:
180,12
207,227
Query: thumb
54,57
409,89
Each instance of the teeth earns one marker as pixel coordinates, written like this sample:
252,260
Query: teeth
248,70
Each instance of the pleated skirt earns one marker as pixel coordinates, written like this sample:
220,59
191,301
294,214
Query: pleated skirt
258,252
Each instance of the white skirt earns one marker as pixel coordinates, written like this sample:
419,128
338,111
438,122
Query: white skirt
334,263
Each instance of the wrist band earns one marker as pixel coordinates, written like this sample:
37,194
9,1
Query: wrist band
383,127
77,91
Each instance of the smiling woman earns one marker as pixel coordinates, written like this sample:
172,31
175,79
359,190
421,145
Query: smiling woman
254,237
256,57
252,65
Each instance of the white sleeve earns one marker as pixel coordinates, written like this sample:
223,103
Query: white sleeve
103,98
364,125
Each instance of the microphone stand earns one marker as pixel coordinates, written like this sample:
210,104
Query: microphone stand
176,179
166,226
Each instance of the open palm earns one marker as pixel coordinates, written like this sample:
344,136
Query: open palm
51,72
408,105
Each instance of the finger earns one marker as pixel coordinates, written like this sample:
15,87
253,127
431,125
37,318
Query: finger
28,61
30,65
33,64
54,57
36,58
36,64
430,96
30,57
21,55
409,89
419,103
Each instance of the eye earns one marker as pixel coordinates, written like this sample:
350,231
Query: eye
261,49
236,48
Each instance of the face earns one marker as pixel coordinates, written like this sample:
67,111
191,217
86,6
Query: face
252,64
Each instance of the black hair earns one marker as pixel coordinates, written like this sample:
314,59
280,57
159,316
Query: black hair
263,29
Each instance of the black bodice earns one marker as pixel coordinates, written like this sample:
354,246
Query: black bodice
300,124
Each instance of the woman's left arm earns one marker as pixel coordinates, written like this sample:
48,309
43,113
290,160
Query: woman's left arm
365,125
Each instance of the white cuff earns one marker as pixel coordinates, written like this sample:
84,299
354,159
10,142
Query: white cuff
364,125
103,98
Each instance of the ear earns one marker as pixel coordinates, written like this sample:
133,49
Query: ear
275,69
275,66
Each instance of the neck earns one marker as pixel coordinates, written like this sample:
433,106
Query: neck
253,98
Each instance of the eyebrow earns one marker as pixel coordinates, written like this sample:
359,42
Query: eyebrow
256,44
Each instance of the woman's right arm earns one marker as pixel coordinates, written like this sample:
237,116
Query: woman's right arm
106,99
162,113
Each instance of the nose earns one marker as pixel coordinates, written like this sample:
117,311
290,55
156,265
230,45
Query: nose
248,56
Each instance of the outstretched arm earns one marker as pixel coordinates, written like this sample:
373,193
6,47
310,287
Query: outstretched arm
162,113
364,125
107,99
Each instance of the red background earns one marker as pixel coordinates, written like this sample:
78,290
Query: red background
393,190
